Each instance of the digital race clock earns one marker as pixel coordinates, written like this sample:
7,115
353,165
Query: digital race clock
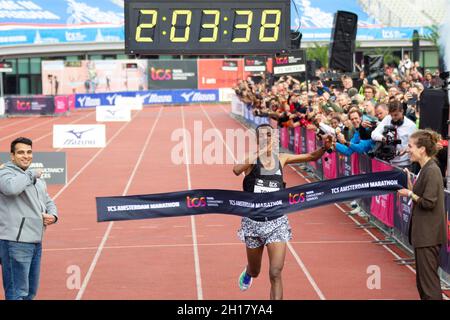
207,27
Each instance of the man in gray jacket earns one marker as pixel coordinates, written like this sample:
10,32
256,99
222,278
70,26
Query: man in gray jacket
26,210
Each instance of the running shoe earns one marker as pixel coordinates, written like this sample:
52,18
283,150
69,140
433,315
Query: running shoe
245,281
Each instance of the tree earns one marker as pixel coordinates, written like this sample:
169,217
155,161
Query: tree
387,53
433,35
318,52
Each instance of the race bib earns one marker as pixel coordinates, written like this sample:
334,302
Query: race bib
265,186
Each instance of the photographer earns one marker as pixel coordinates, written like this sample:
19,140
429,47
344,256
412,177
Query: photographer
357,143
394,132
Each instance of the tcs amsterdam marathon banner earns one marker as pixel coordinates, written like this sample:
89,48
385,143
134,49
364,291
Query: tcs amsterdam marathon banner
203,201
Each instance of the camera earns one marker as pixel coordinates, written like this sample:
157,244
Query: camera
387,149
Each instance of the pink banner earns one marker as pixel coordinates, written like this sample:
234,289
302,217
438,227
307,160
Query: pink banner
61,104
297,140
329,162
311,145
355,163
382,207
284,138
71,102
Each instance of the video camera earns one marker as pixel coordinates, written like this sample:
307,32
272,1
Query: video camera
387,149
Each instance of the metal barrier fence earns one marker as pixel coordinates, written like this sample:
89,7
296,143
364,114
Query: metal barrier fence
389,213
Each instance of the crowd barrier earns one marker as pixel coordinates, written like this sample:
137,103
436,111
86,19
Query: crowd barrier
178,96
389,213
38,105
61,104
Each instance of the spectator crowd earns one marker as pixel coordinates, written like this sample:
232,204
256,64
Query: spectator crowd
368,115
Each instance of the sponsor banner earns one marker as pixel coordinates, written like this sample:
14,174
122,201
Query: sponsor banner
355,163
297,140
5,67
402,216
309,141
204,201
366,34
80,21
344,165
255,64
289,69
172,74
226,94
382,206
284,137
293,62
219,73
316,21
112,114
52,164
52,35
148,97
246,112
61,77
2,106
131,103
291,140
61,104
55,21
230,65
365,164
329,163
71,102
79,136
30,105
251,115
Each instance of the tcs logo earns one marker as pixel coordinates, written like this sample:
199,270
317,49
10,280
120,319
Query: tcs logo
23,105
282,60
161,74
295,198
196,202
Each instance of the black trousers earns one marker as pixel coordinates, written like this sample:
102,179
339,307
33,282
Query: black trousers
427,276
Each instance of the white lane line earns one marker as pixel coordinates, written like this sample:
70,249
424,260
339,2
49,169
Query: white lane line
291,249
93,158
16,134
72,122
15,123
143,246
110,225
306,272
198,277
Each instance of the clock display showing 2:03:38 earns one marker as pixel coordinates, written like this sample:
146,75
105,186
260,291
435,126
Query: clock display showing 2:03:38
201,27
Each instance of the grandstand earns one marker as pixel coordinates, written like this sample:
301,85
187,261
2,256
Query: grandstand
406,13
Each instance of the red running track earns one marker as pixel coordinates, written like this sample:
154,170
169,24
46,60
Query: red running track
187,257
